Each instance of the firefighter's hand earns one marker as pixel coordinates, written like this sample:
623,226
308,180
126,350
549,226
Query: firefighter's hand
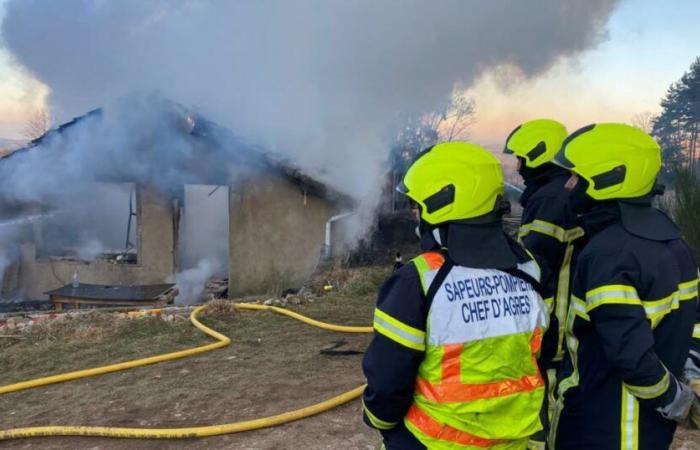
679,409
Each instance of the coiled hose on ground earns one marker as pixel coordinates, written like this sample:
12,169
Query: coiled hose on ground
189,432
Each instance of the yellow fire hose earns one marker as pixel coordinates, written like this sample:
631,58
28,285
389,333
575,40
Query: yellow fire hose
190,432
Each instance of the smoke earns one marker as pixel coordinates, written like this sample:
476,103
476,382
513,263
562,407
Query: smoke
191,282
321,83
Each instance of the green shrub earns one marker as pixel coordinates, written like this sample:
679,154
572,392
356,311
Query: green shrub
685,207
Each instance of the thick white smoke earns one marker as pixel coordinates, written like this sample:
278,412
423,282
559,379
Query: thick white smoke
323,83
320,81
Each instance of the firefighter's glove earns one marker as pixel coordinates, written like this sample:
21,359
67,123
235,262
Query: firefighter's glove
679,408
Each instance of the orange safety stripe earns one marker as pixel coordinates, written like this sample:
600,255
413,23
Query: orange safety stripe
436,430
536,341
458,392
451,362
434,259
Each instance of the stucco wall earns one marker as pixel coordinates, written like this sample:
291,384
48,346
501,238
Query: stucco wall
156,255
276,235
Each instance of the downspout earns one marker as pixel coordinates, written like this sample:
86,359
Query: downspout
327,252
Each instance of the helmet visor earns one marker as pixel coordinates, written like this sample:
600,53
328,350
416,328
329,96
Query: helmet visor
402,188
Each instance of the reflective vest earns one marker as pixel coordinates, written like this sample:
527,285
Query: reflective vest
479,385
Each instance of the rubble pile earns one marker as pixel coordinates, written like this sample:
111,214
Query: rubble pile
300,297
216,288
25,321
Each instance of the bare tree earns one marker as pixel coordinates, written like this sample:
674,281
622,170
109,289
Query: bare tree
39,123
644,121
453,121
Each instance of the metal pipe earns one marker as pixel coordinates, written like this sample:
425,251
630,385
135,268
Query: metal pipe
327,243
514,187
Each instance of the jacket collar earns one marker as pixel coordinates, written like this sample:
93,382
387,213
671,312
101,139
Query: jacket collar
477,245
535,179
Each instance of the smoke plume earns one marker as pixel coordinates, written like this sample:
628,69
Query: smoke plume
321,83
318,81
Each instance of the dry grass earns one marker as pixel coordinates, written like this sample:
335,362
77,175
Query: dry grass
350,281
220,308
89,340
92,327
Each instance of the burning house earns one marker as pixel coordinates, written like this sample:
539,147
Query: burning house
146,192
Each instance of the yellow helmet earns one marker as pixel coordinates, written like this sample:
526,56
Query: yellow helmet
536,141
618,161
453,181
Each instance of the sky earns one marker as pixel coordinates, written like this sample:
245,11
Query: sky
650,45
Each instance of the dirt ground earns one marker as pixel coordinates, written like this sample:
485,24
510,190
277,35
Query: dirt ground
273,365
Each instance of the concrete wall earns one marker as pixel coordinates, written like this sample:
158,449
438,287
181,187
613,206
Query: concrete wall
156,255
276,235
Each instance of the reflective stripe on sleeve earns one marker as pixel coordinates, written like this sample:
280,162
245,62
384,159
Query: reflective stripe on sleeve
653,391
398,331
688,290
696,331
375,421
619,294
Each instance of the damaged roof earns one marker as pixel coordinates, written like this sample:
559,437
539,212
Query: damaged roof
218,152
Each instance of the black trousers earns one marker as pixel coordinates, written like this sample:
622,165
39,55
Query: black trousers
399,438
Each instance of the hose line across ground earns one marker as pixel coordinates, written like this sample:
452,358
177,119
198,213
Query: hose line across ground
189,432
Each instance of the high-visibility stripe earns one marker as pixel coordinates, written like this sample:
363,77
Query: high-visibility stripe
655,310
562,304
549,303
696,331
653,391
629,425
422,268
535,445
434,260
427,265
612,294
458,392
436,430
688,290
536,341
397,331
551,375
531,267
377,422
577,308
551,230
451,364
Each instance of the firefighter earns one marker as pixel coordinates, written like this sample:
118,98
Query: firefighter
457,329
548,230
633,303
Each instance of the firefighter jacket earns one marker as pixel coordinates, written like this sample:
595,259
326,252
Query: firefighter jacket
633,304
548,230
453,355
